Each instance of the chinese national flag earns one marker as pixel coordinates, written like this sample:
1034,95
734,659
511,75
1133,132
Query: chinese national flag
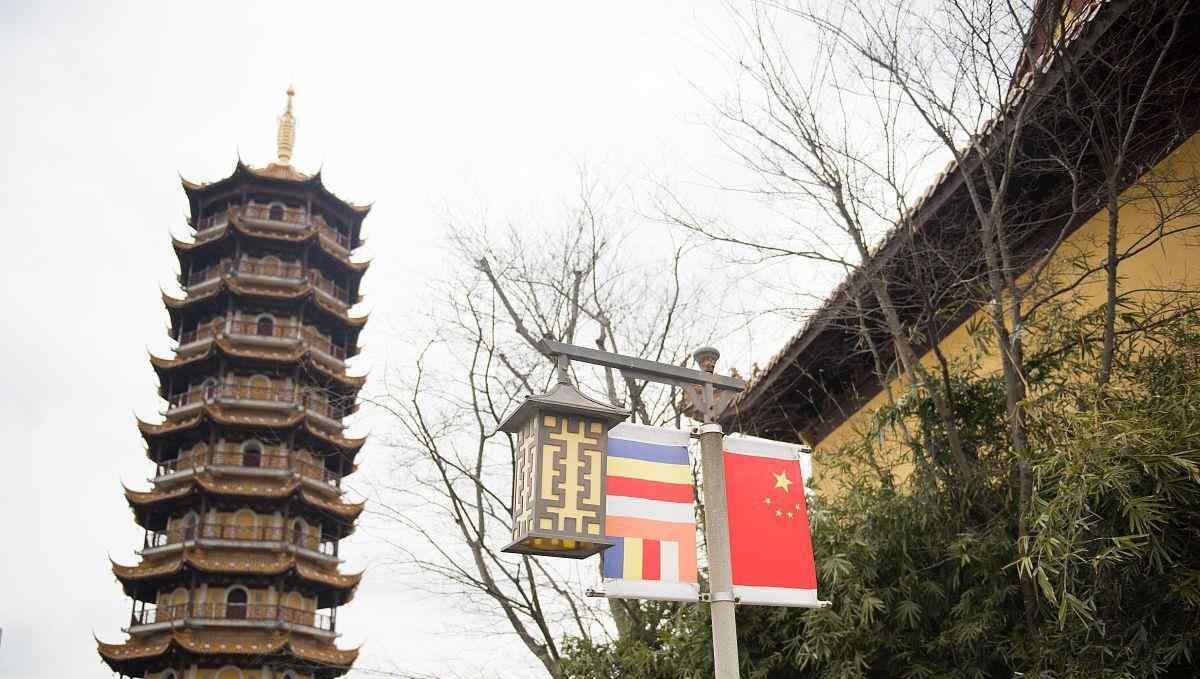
769,539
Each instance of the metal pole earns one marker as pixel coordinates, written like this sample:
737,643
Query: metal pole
709,394
716,532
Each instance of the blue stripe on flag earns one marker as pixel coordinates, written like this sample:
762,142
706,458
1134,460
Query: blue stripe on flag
612,560
649,452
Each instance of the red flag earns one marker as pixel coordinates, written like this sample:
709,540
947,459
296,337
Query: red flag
769,539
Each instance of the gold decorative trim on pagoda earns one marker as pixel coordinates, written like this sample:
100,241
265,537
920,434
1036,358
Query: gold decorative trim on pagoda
202,560
226,346
285,138
346,509
238,488
243,642
241,169
226,415
150,430
147,497
305,293
241,227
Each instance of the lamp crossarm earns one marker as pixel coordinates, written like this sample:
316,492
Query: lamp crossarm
640,368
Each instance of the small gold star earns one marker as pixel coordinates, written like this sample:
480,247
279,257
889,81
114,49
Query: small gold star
782,481
797,507
789,515
778,513
768,500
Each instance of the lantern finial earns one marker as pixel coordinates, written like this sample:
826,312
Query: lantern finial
706,358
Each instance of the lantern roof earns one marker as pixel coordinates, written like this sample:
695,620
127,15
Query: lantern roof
563,398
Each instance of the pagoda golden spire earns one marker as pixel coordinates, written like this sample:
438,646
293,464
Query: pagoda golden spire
285,139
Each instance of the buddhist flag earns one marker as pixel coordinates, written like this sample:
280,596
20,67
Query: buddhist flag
650,515
769,540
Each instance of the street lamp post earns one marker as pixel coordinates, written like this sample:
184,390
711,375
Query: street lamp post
708,394
716,528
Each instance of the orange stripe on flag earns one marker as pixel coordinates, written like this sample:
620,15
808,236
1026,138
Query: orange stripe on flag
683,533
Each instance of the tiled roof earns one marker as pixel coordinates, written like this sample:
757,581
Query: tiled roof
242,642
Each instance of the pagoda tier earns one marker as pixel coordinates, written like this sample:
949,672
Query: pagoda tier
177,650
236,231
239,574
315,364
238,555
205,489
296,314
212,419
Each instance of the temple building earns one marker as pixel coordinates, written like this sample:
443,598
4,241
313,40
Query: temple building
822,387
239,573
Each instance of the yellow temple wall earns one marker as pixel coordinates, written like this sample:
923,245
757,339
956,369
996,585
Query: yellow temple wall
1171,263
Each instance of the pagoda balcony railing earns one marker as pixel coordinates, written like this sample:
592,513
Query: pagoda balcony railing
315,403
269,269
333,290
256,329
201,333
292,220
263,613
309,336
239,533
213,225
269,213
236,392
337,238
235,457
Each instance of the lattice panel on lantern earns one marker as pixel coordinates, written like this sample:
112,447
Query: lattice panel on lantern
570,488
524,479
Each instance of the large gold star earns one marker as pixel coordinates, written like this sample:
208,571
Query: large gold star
782,481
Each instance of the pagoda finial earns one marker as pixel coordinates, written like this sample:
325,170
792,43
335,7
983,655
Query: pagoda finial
286,137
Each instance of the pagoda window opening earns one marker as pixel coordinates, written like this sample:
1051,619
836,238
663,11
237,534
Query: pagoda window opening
236,601
190,522
265,326
275,213
230,673
198,455
168,674
271,266
298,533
209,387
252,454
245,526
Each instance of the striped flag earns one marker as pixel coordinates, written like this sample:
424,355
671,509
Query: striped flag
650,515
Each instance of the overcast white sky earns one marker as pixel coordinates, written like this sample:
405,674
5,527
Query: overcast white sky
410,105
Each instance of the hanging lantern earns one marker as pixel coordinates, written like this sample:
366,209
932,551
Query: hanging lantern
561,463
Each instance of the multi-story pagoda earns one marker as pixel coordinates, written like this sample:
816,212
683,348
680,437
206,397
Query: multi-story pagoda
239,574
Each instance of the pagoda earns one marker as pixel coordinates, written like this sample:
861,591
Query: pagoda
239,573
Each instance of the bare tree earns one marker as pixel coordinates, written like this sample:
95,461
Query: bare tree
1045,120
580,282
800,130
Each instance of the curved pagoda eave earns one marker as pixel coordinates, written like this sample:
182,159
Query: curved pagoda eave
137,656
213,298
196,364
273,178
170,429
223,243
144,580
306,295
151,508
